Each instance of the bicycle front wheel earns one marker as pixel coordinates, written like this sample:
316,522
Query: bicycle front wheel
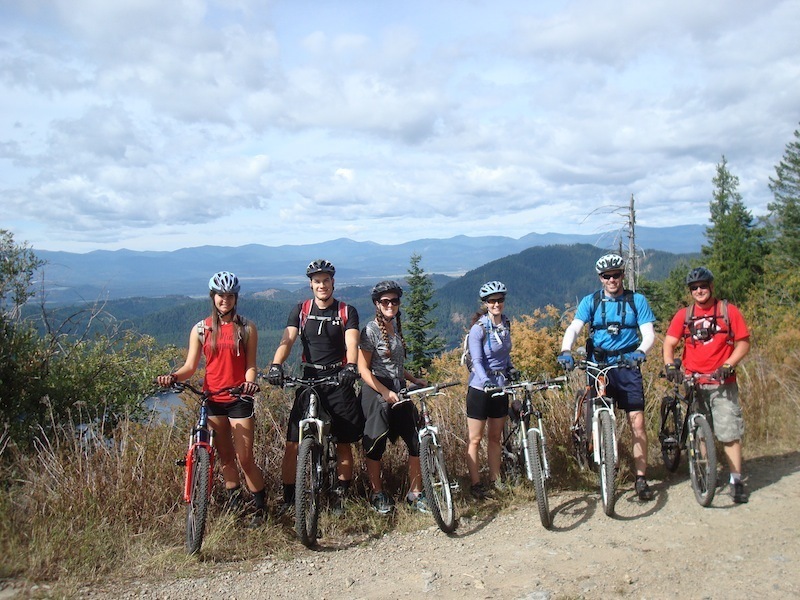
670,433
536,462
437,484
197,510
307,491
702,461
608,466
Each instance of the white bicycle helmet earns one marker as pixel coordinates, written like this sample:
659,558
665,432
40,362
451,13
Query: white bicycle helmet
224,282
609,262
492,287
320,266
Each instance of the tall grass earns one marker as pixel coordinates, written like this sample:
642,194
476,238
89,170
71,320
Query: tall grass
78,508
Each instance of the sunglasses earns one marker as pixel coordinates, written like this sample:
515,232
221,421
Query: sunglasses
386,302
699,286
495,300
607,276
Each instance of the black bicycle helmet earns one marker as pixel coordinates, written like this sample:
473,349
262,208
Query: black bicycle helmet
609,262
385,287
492,287
320,266
224,282
699,274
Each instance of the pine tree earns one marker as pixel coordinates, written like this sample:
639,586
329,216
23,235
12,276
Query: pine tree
785,210
734,252
417,325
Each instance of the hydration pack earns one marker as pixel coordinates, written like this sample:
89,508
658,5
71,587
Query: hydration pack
466,357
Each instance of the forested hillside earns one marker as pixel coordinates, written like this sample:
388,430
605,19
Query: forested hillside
536,277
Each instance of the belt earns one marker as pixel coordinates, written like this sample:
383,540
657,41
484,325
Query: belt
331,366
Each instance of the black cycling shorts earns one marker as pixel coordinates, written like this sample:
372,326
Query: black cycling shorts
482,406
242,408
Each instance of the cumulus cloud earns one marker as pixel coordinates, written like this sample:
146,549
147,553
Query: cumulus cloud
150,119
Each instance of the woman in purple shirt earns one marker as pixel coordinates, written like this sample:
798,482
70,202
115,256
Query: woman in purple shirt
490,349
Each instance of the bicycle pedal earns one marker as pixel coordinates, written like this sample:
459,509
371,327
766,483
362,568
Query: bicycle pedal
181,462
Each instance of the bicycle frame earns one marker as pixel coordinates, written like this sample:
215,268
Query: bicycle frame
596,375
203,436
527,410
694,407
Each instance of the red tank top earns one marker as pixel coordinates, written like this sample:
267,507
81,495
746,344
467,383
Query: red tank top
227,366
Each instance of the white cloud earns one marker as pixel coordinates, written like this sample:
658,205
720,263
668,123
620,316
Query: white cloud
140,123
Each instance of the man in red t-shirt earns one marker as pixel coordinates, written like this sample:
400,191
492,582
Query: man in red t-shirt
715,339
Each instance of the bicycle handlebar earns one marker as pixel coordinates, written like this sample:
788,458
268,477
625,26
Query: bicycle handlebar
430,389
329,380
180,386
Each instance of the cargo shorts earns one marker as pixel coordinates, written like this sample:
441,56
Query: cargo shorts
726,414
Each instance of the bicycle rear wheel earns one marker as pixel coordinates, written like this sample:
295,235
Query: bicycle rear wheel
536,461
580,441
197,510
512,458
702,461
670,432
437,484
307,491
607,466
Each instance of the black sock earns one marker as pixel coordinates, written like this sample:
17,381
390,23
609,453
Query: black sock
258,498
288,493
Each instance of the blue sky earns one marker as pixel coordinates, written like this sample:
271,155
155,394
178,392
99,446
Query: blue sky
146,124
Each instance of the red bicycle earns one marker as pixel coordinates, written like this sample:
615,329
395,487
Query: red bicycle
199,466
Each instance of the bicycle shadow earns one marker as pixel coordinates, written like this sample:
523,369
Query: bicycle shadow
628,507
574,511
476,519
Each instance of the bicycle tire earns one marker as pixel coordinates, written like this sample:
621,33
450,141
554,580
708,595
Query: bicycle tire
437,484
580,441
702,461
512,455
307,491
669,434
197,510
536,451
607,466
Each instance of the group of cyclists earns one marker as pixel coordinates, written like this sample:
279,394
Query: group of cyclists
621,329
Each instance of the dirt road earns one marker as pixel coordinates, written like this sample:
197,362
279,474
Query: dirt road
667,548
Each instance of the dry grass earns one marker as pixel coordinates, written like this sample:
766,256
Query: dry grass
75,512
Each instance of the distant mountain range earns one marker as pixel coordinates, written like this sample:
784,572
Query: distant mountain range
72,277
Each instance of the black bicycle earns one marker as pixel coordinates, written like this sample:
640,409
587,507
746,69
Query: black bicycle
524,451
689,429
315,479
438,489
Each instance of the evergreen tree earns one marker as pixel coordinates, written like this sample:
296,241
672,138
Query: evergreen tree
785,210
417,325
734,252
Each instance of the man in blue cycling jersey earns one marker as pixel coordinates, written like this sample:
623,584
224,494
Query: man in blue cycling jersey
620,331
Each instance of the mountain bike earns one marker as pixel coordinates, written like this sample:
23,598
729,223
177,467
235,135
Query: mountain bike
435,482
199,465
315,478
523,445
594,429
691,432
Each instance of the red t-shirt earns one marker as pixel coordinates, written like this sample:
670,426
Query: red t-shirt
227,366
706,356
